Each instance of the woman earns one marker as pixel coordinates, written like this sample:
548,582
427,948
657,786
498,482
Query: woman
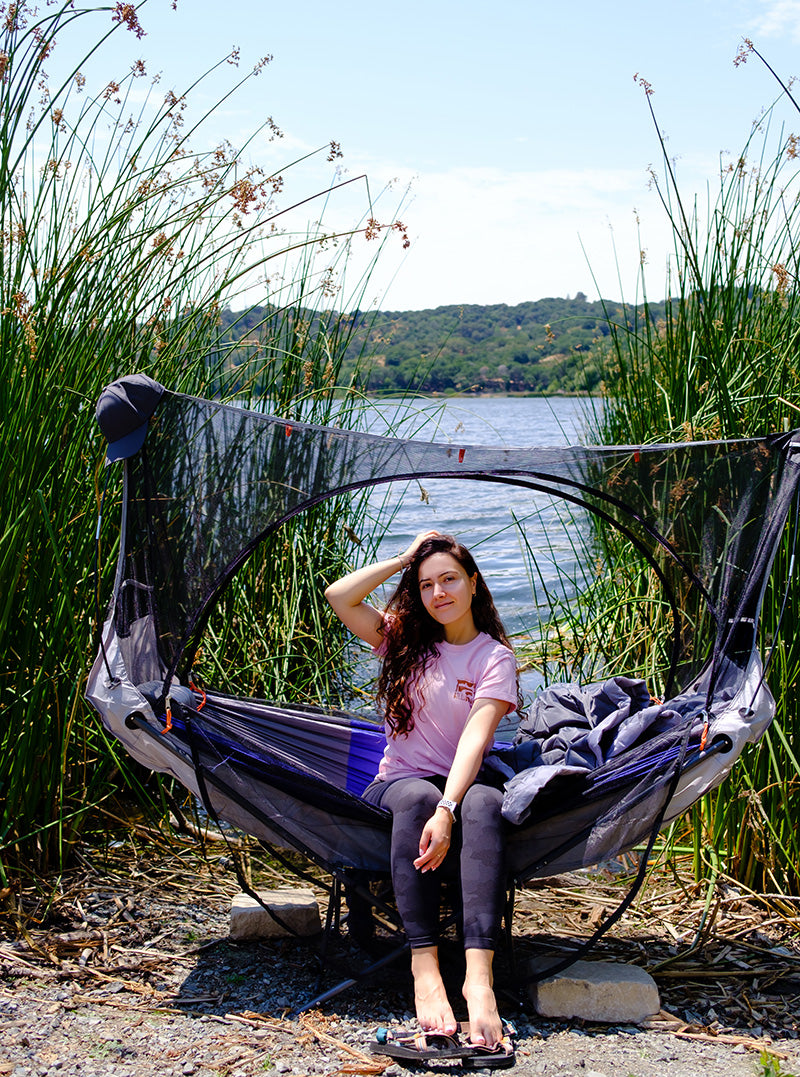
448,677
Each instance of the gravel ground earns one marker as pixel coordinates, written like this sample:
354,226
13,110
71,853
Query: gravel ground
127,968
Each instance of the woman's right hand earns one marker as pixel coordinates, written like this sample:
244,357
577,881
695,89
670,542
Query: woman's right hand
407,555
347,595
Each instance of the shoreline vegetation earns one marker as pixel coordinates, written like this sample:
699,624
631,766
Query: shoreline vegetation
184,236
120,244
723,364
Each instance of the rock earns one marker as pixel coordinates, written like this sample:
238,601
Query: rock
597,991
296,907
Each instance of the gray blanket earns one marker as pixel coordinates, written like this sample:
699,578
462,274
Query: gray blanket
572,729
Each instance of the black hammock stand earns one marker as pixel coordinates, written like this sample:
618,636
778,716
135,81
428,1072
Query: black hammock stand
205,483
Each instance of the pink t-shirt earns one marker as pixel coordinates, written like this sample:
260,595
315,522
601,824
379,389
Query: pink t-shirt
456,676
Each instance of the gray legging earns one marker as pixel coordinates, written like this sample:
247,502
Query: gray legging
478,845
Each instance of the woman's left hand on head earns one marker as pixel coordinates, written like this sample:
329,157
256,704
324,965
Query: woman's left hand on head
434,842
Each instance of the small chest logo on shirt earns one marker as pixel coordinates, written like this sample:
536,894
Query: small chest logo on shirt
465,690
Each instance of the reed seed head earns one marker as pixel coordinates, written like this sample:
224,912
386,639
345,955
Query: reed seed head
743,52
126,13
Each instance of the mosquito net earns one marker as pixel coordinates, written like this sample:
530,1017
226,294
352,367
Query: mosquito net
212,480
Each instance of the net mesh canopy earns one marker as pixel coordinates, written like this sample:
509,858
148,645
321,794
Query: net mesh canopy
213,480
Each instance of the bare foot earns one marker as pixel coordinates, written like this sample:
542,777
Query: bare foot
434,1012
485,1026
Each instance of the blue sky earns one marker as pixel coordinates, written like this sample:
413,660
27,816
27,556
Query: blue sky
518,125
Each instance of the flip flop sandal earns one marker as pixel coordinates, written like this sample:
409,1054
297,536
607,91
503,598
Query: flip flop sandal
498,1057
501,1056
439,1046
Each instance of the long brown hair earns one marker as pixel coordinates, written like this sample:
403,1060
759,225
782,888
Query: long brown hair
411,634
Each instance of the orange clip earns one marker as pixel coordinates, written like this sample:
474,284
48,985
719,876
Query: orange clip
704,736
461,455
168,724
200,692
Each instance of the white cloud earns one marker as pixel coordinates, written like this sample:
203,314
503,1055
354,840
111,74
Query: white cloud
487,236
778,18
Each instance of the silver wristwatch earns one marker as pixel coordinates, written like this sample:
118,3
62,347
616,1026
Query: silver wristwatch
450,805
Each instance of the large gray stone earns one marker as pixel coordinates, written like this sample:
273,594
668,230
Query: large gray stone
296,907
604,991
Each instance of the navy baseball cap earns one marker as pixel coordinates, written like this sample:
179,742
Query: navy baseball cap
122,413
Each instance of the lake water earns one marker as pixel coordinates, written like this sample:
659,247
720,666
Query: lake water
498,522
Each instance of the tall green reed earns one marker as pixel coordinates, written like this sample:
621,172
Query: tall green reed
120,247
721,362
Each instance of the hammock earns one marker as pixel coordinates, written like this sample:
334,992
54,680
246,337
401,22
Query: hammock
205,483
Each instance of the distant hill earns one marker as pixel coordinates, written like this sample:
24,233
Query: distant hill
543,346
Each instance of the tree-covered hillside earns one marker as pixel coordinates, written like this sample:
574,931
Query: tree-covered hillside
545,346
